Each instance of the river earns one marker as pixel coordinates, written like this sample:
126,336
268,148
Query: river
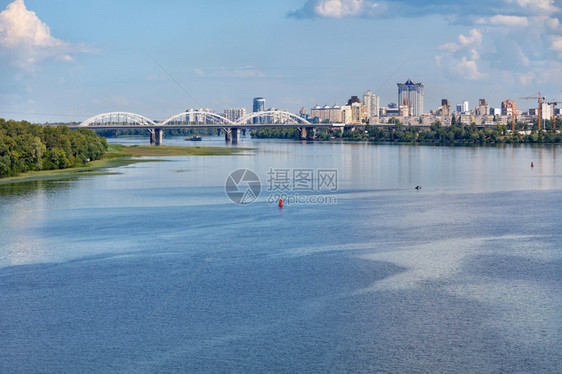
153,267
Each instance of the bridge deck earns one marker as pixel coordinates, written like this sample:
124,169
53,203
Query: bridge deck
211,126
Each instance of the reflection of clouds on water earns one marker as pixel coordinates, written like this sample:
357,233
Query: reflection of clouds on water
23,247
24,206
426,262
435,261
517,276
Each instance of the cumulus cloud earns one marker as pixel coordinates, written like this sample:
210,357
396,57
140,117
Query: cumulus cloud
473,37
462,12
462,66
469,69
544,7
516,36
503,20
26,40
461,57
449,47
501,36
336,9
557,45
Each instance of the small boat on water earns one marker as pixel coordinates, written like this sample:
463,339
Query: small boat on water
195,138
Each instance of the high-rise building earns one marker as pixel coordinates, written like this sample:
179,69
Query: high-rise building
358,113
346,115
372,104
483,108
259,106
235,114
445,108
197,115
326,114
465,107
411,94
508,108
546,112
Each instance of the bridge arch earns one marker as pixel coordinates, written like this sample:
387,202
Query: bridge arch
118,118
273,117
196,117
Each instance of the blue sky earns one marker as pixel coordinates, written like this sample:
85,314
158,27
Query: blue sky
63,60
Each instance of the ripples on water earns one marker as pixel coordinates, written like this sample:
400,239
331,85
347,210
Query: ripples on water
154,270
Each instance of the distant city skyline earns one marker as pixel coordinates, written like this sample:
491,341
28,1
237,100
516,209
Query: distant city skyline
77,59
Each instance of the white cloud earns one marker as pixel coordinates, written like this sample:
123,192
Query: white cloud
536,6
460,59
557,45
552,23
502,20
26,40
469,69
474,55
518,41
474,37
501,36
336,9
450,47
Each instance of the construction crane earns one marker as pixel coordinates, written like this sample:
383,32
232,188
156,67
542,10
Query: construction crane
553,103
540,100
512,121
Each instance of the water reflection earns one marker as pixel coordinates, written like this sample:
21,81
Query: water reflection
21,204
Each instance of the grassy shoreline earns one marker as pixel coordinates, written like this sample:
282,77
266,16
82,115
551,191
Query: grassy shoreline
120,155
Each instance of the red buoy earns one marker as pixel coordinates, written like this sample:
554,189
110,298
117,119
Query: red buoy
280,203
532,165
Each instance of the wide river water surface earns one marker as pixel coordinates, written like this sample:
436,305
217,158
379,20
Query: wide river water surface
152,268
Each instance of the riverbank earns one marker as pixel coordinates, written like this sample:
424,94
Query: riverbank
117,150
437,134
120,155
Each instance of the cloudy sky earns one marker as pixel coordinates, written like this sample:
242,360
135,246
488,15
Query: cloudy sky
65,60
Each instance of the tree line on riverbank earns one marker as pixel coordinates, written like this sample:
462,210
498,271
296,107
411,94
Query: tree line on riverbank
457,133
27,147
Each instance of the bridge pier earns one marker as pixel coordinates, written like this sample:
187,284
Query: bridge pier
156,137
227,135
235,135
307,133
